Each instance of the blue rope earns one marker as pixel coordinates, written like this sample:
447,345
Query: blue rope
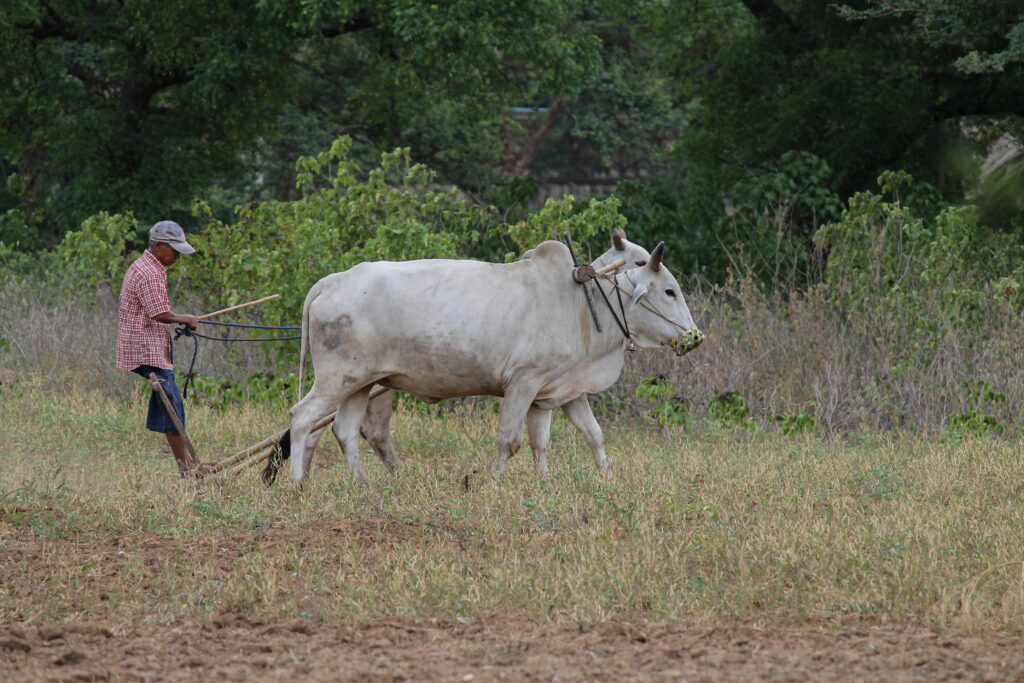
180,332
252,327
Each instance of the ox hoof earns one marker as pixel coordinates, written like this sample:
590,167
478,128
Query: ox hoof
498,469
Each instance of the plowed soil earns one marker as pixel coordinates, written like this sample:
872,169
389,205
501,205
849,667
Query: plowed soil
498,647
494,649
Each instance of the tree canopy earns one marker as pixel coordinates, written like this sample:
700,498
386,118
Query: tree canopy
717,123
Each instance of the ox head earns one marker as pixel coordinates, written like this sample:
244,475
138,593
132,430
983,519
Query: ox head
658,315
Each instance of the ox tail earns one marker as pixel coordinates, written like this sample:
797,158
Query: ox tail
304,343
282,451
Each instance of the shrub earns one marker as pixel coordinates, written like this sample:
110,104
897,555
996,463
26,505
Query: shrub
346,217
97,252
730,410
908,281
667,406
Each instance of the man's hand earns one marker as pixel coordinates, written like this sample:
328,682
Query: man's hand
190,321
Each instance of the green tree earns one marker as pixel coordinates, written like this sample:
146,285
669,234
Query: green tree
875,87
140,106
134,105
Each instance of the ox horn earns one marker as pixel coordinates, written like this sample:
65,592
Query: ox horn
656,255
619,239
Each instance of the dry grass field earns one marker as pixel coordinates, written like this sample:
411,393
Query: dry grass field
713,555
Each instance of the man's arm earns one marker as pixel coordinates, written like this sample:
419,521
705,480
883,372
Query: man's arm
169,317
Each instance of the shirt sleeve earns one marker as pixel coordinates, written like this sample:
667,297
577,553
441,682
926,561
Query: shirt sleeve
153,294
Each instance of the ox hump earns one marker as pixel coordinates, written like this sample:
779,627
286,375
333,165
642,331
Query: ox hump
552,252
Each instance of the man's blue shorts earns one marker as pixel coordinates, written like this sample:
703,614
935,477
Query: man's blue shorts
158,419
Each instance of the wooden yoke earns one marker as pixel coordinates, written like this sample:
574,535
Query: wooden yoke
610,268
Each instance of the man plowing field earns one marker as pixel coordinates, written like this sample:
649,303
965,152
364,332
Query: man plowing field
144,342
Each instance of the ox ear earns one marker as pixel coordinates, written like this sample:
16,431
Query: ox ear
619,239
656,255
639,291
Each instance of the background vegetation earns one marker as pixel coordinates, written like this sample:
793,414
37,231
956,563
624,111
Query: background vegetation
838,185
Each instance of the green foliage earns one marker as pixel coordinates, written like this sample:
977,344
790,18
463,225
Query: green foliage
344,217
989,41
942,273
668,407
763,80
793,425
141,107
97,252
559,216
735,122
796,188
656,211
134,106
731,410
984,415
773,213
274,391
19,225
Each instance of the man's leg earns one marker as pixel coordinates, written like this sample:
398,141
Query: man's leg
181,456
159,419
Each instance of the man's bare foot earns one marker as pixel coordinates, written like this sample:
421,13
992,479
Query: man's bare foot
202,469
197,471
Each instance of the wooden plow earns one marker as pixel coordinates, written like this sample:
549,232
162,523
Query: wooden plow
261,450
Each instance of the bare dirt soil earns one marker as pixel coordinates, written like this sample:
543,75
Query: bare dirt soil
231,648
498,647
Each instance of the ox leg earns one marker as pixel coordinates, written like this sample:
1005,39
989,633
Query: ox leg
304,415
346,429
538,426
376,429
514,407
582,417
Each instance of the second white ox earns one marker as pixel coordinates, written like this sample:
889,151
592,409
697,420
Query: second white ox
443,329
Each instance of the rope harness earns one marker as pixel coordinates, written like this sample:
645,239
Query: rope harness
623,324
180,332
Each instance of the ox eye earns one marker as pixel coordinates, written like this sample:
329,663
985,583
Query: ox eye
641,263
670,293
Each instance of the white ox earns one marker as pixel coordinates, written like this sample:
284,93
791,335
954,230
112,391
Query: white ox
376,429
444,329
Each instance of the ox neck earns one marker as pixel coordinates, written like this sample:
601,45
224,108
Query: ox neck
617,310
614,336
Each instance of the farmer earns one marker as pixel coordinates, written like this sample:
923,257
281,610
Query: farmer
143,340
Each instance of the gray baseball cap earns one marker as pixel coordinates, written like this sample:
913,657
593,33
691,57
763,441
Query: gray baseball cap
171,233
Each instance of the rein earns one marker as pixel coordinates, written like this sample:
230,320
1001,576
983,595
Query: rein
186,332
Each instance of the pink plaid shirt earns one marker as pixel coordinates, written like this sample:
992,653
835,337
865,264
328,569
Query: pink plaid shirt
140,339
